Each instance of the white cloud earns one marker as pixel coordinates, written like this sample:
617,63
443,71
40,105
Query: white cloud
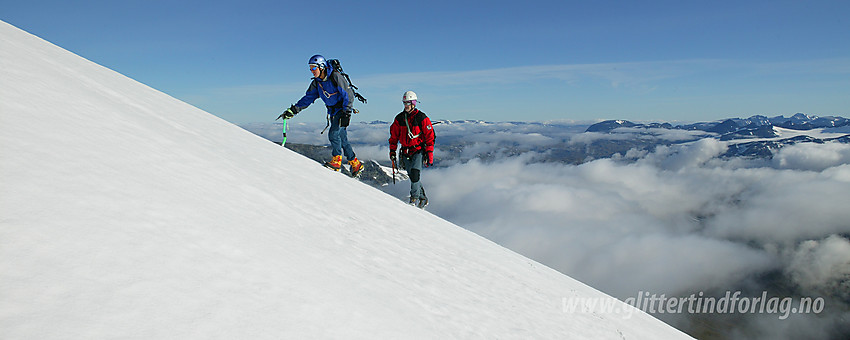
784,205
676,220
809,156
689,155
711,213
652,134
822,265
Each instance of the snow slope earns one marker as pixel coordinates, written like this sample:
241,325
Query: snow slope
125,213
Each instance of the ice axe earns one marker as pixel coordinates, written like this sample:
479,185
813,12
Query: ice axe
394,170
284,130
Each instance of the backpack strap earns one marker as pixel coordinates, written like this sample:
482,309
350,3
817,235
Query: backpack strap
336,67
407,124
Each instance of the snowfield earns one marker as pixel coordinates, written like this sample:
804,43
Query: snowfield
125,213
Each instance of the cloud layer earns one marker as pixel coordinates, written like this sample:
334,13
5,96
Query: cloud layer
677,220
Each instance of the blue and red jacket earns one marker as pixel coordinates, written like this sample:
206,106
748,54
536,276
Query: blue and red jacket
413,131
334,90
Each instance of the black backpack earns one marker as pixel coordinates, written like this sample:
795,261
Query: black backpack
334,63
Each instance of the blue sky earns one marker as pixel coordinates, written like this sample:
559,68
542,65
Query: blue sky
245,61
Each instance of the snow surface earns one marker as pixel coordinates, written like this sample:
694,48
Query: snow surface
821,133
397,173
125,213
783,133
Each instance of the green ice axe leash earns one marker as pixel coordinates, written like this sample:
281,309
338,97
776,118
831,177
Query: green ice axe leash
284,132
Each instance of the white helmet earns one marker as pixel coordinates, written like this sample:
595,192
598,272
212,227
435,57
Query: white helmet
408,96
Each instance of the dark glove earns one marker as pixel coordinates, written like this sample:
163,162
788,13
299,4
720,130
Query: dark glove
393,156
345,119
289,113
428,159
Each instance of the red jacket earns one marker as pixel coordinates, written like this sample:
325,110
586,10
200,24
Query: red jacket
420,134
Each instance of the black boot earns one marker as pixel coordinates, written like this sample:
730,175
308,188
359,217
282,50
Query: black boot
423,201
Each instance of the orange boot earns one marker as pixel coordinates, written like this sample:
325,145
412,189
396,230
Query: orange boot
356,167
335,164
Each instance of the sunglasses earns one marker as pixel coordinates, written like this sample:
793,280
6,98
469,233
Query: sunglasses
410,102
313,67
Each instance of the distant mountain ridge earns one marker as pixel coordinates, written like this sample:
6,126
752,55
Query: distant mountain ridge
765,149
799,121
760,129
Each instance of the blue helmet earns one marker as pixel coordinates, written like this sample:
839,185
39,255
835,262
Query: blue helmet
318,60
